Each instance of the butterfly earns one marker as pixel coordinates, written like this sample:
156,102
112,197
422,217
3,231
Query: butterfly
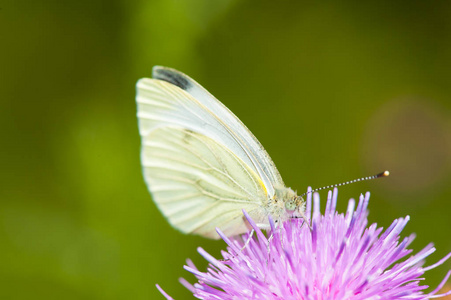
201,164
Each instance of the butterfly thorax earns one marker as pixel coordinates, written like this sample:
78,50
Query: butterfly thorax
286,204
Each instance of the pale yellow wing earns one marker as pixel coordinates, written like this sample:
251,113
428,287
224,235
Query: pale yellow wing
173,98
199,184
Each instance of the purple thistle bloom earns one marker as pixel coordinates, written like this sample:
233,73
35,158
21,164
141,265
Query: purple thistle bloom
338,258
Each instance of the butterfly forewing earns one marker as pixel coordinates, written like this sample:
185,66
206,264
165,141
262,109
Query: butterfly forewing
249,148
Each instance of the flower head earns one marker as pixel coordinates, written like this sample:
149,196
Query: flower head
336,257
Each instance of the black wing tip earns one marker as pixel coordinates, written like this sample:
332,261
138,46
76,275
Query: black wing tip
172,76
156,69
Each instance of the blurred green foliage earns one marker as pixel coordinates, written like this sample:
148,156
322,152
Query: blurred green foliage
332,90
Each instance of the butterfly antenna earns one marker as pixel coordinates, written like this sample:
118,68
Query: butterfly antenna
383,174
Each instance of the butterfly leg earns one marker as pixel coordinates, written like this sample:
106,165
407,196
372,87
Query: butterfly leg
260,226
248,239
306,221
271,236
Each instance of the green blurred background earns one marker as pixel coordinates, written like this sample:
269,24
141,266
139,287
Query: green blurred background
333,91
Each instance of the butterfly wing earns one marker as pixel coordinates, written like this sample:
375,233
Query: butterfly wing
199,184
209,116
176,103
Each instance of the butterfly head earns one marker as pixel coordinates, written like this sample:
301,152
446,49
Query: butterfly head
294,204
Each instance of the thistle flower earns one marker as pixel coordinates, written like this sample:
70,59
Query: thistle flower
339,257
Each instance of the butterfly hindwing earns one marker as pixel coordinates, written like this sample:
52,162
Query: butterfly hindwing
197,183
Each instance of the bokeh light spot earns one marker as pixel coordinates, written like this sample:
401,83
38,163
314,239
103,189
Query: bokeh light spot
409,137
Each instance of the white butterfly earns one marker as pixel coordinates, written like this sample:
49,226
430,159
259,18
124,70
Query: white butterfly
200,162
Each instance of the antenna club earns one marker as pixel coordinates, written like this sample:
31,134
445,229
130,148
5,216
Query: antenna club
383,174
